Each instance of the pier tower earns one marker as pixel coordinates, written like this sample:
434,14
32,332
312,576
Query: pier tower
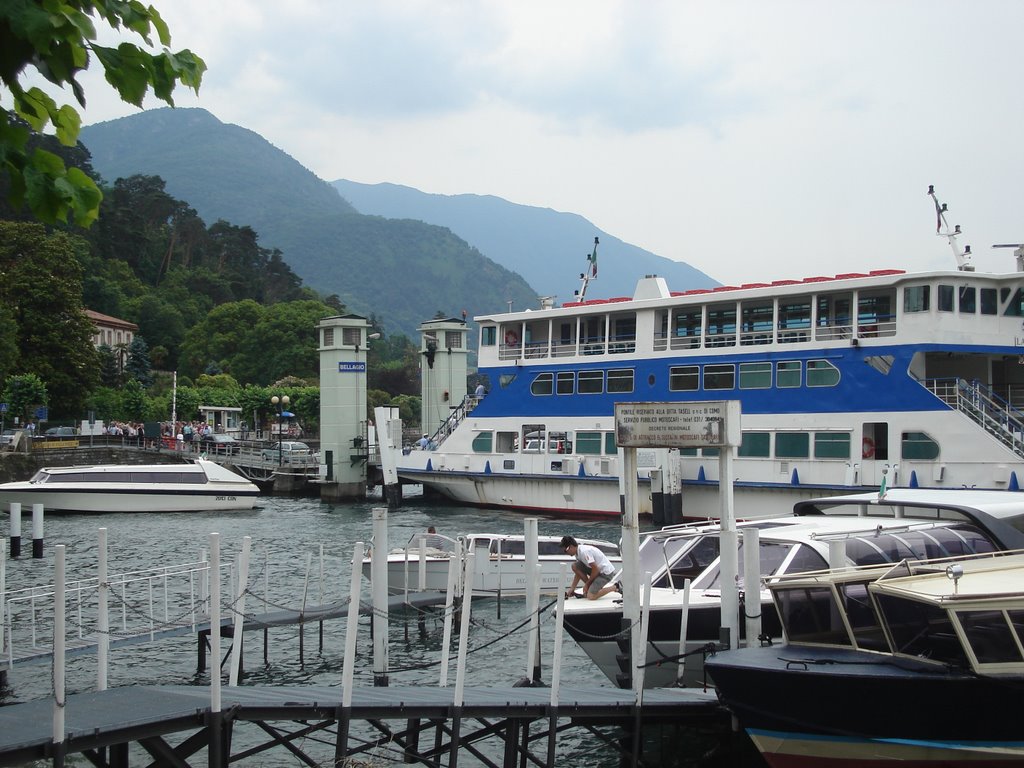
442,370
343,432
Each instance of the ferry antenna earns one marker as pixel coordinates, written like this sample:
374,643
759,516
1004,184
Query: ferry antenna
589,274
962,256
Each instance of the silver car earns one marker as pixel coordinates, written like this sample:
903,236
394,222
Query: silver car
290,451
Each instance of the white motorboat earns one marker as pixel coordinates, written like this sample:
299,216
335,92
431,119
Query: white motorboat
499,563
199,486
904,523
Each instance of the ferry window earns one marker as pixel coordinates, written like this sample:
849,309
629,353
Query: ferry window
990,636
506,379
968,300
788,373
821,373
588,443
687,451
591,382
684,378
687,327
918,629
558,442
565,383
792,445
720,376
834,316
610,446
832,445
756,444
757,322
623,334
534,438
989,304
916,298
755,375
508,442
919,446
488,336
1015,306
542,384
945,298
721,326
794,313
711,452
620,380
482,443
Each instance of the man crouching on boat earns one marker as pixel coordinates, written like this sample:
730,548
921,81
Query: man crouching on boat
590,566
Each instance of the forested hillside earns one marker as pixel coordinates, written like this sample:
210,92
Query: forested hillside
401,272
546,247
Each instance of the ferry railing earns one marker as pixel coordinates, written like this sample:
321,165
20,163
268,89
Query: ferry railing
984,407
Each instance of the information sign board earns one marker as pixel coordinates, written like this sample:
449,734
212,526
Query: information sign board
709,424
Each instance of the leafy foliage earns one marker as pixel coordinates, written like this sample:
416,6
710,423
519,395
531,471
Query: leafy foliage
42,284
56,38
24,392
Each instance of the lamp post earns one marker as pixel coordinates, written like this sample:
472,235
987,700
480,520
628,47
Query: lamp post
281,404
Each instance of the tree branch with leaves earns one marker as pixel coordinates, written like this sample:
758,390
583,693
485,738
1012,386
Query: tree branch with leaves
57,38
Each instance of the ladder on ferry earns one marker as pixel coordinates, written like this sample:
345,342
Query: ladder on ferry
984,407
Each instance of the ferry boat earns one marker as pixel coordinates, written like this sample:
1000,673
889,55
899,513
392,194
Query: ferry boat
902,523
499,563
843,381
918,664
199,486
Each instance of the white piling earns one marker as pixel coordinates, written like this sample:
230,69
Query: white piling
238,611
684,619
556,656
532,596
454,566
351,628
215,701
460,669
752,585
422,568
37,531
645,628
59,692
15,529
379,593
103,612
729,558
631,555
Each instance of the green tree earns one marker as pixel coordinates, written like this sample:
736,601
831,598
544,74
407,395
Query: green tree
282,343
133,401
57,38
23,393
138,367
110,376
42,282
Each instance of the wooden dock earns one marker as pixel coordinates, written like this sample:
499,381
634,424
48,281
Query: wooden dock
174,724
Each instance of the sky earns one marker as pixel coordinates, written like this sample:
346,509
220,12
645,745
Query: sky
752,140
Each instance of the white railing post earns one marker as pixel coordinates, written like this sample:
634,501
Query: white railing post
238,610
103,616
59,693
752,585
215,698
351,627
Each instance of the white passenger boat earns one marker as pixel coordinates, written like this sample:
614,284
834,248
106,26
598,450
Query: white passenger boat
904,523
843,380
498,565
202,485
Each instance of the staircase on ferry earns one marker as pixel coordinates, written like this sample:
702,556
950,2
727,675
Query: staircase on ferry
984,407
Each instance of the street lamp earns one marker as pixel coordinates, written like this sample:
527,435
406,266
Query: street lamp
281,404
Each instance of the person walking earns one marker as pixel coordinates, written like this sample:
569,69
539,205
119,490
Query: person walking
590,566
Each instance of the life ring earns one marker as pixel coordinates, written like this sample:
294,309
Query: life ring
867,448
511,338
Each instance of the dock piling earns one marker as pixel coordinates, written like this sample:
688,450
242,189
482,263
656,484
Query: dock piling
15,529
37,531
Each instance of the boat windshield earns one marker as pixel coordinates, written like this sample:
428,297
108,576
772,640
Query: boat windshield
40,477
922,630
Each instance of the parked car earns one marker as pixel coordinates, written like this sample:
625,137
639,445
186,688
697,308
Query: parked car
223,445
61,432
7,437
289,451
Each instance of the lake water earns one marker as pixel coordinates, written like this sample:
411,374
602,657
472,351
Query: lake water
288,533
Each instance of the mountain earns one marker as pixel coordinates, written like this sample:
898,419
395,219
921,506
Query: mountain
546,247
403,272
